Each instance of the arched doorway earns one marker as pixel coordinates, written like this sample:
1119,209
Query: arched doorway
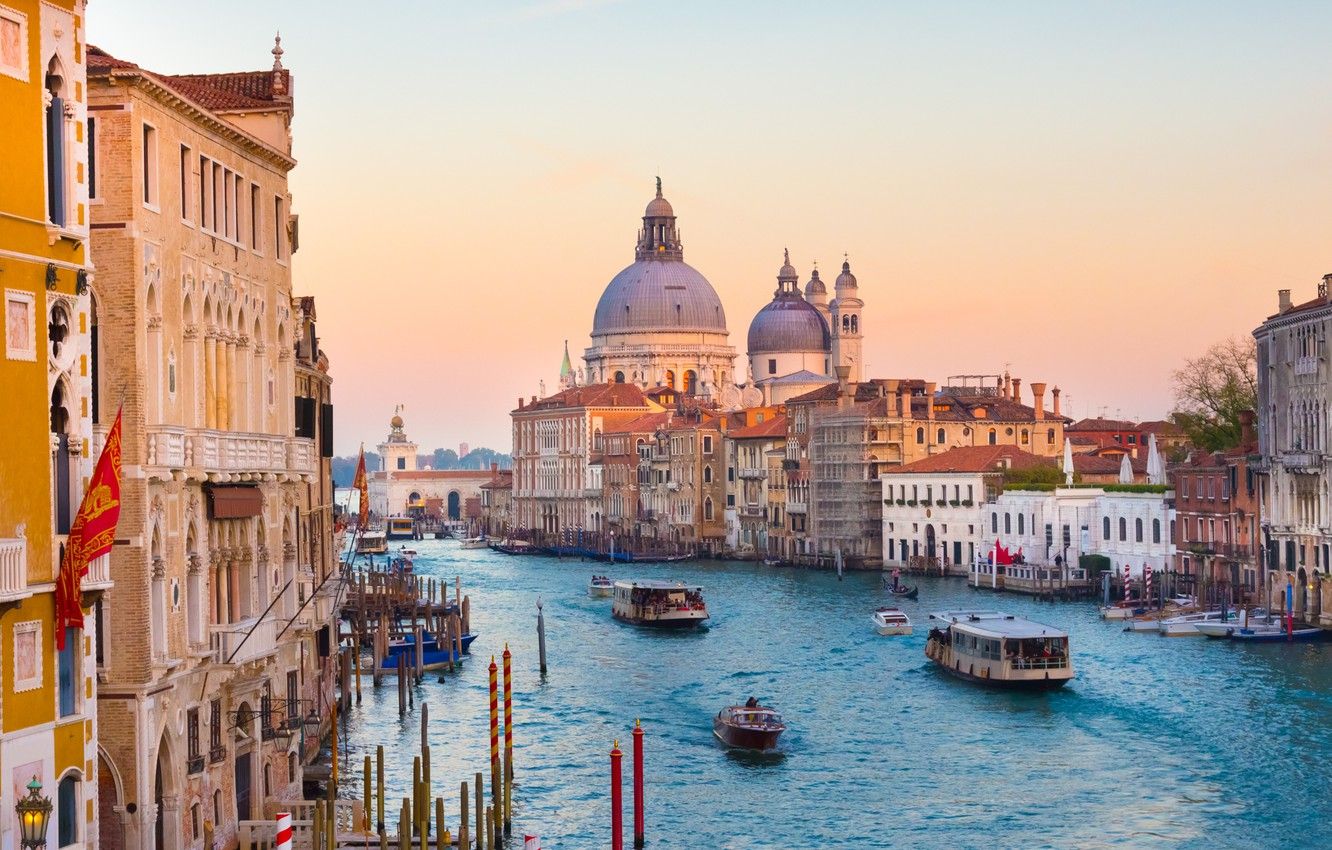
455,505
1301,593
929,541
244,779
164,834
110,830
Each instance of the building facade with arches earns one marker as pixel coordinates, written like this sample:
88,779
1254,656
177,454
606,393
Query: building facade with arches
215,665
404,488
48,698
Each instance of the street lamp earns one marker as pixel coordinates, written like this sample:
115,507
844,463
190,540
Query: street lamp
33,811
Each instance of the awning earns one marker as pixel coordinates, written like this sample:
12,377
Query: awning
234,501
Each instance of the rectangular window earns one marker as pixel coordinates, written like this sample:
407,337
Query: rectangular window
20,328
217,192
707,444
293,699
185,204
67,669
237,192
772,366
194,755
150,165
254,217
205,199
216,752
92,155
279,246
225,227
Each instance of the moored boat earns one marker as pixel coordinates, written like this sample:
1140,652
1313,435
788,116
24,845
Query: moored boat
659,603
1186,625
600,586
1000,650
891,621
1120,611
433,655
513,547
1276,631
474,543
750,726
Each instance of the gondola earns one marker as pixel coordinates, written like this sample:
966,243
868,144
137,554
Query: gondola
905,592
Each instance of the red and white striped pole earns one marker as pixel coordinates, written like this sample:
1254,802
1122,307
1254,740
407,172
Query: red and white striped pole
1147,583
1128,583
617,799
282,841
639,838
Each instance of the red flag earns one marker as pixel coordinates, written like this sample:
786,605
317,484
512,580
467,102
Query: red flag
1002,556
91,535
363,487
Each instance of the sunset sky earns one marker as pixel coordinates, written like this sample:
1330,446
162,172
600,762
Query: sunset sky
1083,193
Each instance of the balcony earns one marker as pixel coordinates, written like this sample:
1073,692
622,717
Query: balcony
231,645
176,447
99,574
796,507
752,472
1298,461
14,569
753,510
1306,365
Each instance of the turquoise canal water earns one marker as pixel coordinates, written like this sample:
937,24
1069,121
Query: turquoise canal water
1158,742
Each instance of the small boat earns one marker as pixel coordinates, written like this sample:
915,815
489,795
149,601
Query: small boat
1276,631
1225,628
600,586
1000,650
402,560
905,592
891,621
433,656
659,603
1120,611
1143,623
749,727
772,562
1186,625
514,547
474,543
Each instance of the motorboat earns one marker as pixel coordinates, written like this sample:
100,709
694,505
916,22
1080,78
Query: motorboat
402,560
750,726
1143,622
513,547
1122,611
1186,625
659,603
999,650
433,655
474,543
891,621
1276,631
600,587
1225,628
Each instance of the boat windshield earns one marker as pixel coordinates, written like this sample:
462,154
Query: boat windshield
757,717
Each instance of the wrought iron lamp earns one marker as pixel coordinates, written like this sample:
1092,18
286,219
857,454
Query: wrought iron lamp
33,811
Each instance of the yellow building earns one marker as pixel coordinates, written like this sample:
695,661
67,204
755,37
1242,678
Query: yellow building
47,699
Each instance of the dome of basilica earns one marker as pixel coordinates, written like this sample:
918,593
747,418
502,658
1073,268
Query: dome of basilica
659,295
788,323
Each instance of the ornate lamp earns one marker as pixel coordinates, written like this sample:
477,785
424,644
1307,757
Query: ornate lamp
33,811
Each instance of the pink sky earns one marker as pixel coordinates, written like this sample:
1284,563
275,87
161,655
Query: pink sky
1082,195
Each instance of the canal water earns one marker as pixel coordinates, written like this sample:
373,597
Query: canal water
1158,742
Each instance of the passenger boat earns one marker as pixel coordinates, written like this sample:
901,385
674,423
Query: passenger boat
750,726
659,603
514,547
891,621
400,528
1186,625
372,543
474,543
600,586
1000,650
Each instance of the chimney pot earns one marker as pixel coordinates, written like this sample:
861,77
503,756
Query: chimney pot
1038,399
1054,401
929,401
520,402
1283,300
1017,389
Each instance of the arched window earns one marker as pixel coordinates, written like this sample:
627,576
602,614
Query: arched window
993,437
855,324
1026,437
669,379
994,523
1049,436
1008,523
619,377
1137,530
1105,528
707,475
690,382
67,811
1021,517
941,437
56,164
1156,531
1123,529
920,435
707,509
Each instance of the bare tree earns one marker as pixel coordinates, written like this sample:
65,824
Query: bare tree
1212,389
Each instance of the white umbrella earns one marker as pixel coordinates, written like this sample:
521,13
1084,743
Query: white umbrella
1125,470
1155,468
1068,461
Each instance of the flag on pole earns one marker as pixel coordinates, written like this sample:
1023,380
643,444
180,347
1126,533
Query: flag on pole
363,490
531,842
91,535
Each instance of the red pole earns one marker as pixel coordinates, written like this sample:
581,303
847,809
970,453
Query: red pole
617,793
639,838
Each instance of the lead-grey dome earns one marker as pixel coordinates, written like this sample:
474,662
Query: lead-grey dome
659,295
788,323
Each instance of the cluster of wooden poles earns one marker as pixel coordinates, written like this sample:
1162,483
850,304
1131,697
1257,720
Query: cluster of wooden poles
492,822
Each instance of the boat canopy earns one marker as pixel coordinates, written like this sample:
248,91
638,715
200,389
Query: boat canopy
998,625
655,584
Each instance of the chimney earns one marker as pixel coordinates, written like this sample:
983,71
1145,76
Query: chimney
929,402
1322,287
494,467
843,376
520,402
1006,389
1247,437
1017,390
1283,300
1038,399
1054,402
904,402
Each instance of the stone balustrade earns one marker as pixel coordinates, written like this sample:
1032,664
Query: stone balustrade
231,645
14,569
99,574
212,451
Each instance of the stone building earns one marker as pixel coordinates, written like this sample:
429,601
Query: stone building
497,503
402,488
659,322
756,480
1294,400
685,492
213,667
52,421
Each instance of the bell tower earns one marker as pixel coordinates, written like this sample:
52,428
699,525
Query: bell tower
398,453
844,322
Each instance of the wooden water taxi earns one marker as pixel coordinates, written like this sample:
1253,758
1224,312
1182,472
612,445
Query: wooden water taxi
659,603
1000,650
750,726
891,621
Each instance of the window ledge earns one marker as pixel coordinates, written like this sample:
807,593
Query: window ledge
55,232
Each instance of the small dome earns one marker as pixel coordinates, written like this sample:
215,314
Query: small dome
815,285
659,207
788,323
396,421
846,279
787,271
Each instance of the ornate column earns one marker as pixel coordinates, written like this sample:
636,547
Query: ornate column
243,405
210,379
158,637
231,405
193,596
220,382
217,592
